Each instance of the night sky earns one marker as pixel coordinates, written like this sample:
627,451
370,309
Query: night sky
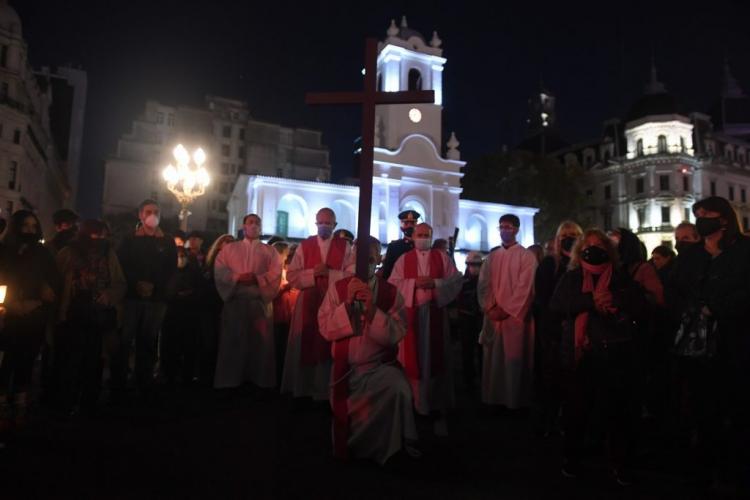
593,56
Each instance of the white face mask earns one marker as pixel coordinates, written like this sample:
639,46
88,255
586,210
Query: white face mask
422,243
152,221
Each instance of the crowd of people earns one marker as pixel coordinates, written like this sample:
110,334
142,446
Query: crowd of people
586,336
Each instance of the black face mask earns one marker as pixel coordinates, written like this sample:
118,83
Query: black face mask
408,231
567,243
27,238
681,246
708,225
594,256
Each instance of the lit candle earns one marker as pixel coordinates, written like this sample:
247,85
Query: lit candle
3,291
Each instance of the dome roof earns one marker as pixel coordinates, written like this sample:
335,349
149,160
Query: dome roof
9,18
662,103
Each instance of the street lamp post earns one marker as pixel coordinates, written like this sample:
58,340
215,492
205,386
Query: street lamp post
184,181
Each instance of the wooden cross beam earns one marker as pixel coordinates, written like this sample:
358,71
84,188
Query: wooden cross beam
368,99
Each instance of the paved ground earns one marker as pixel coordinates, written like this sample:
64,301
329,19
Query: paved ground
203,444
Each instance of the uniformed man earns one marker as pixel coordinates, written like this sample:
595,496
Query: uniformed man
396,248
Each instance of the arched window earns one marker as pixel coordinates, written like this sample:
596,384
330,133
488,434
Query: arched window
477,233
345,215
292,217
662,144
639,147
415,79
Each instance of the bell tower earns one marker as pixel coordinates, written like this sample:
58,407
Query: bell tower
407,62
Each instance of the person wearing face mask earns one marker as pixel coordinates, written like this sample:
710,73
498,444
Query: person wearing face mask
66,229
505,291
149,260
248,275
93,288
396,248
548,326
370,396
470,320
319,258
428,281
599,303
28,269
685,235
712,280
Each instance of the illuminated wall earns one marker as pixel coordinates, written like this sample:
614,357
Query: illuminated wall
675,129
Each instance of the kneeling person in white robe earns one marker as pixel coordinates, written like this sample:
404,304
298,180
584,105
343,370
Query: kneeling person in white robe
370,396
247,274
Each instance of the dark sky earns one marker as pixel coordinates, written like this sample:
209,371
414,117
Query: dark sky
593,56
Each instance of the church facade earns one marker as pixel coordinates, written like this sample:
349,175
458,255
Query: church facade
409,170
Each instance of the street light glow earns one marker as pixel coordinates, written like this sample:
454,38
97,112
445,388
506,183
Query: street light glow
184,181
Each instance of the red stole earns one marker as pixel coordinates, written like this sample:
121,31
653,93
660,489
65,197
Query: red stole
411,341
340,392
315,349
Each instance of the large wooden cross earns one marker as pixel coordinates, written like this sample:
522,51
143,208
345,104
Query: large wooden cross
368,99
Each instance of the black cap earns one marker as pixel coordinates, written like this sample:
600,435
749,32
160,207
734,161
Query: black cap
64,216
409,215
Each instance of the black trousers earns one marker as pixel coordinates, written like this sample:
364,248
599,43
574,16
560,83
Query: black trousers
79,353
20,341
602,384
180,341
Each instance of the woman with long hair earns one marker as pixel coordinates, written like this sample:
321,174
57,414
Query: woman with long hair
93,288
28,270
600,304
548,326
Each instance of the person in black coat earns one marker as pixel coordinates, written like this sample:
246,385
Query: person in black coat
548,326
714,279
34,284
397,248
600,304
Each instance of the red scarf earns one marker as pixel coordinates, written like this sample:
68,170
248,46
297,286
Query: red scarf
315,349
604,271
411,341
340,392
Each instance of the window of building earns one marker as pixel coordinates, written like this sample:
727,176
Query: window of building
664,182
415,79
686,214
608,192
639,185
225,168
242,134
4,56
639,147
665,215
241,152
226,150
16,136
641,214
729,153
170,120
713,188
279,172
607,221
226,131
685,183
4,90
12,175
662,144
731,193
683,146
159,118
743,195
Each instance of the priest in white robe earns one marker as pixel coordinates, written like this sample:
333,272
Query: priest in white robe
370,396
247,274
505,292
318,260
428,281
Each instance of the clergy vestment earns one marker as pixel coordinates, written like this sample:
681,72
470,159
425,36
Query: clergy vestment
246,342
425,351
370,396
507,280
307,365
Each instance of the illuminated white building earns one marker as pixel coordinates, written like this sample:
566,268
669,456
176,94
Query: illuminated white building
409,170
648,170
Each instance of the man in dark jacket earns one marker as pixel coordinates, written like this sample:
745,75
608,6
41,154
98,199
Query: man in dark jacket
397,248
148,259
